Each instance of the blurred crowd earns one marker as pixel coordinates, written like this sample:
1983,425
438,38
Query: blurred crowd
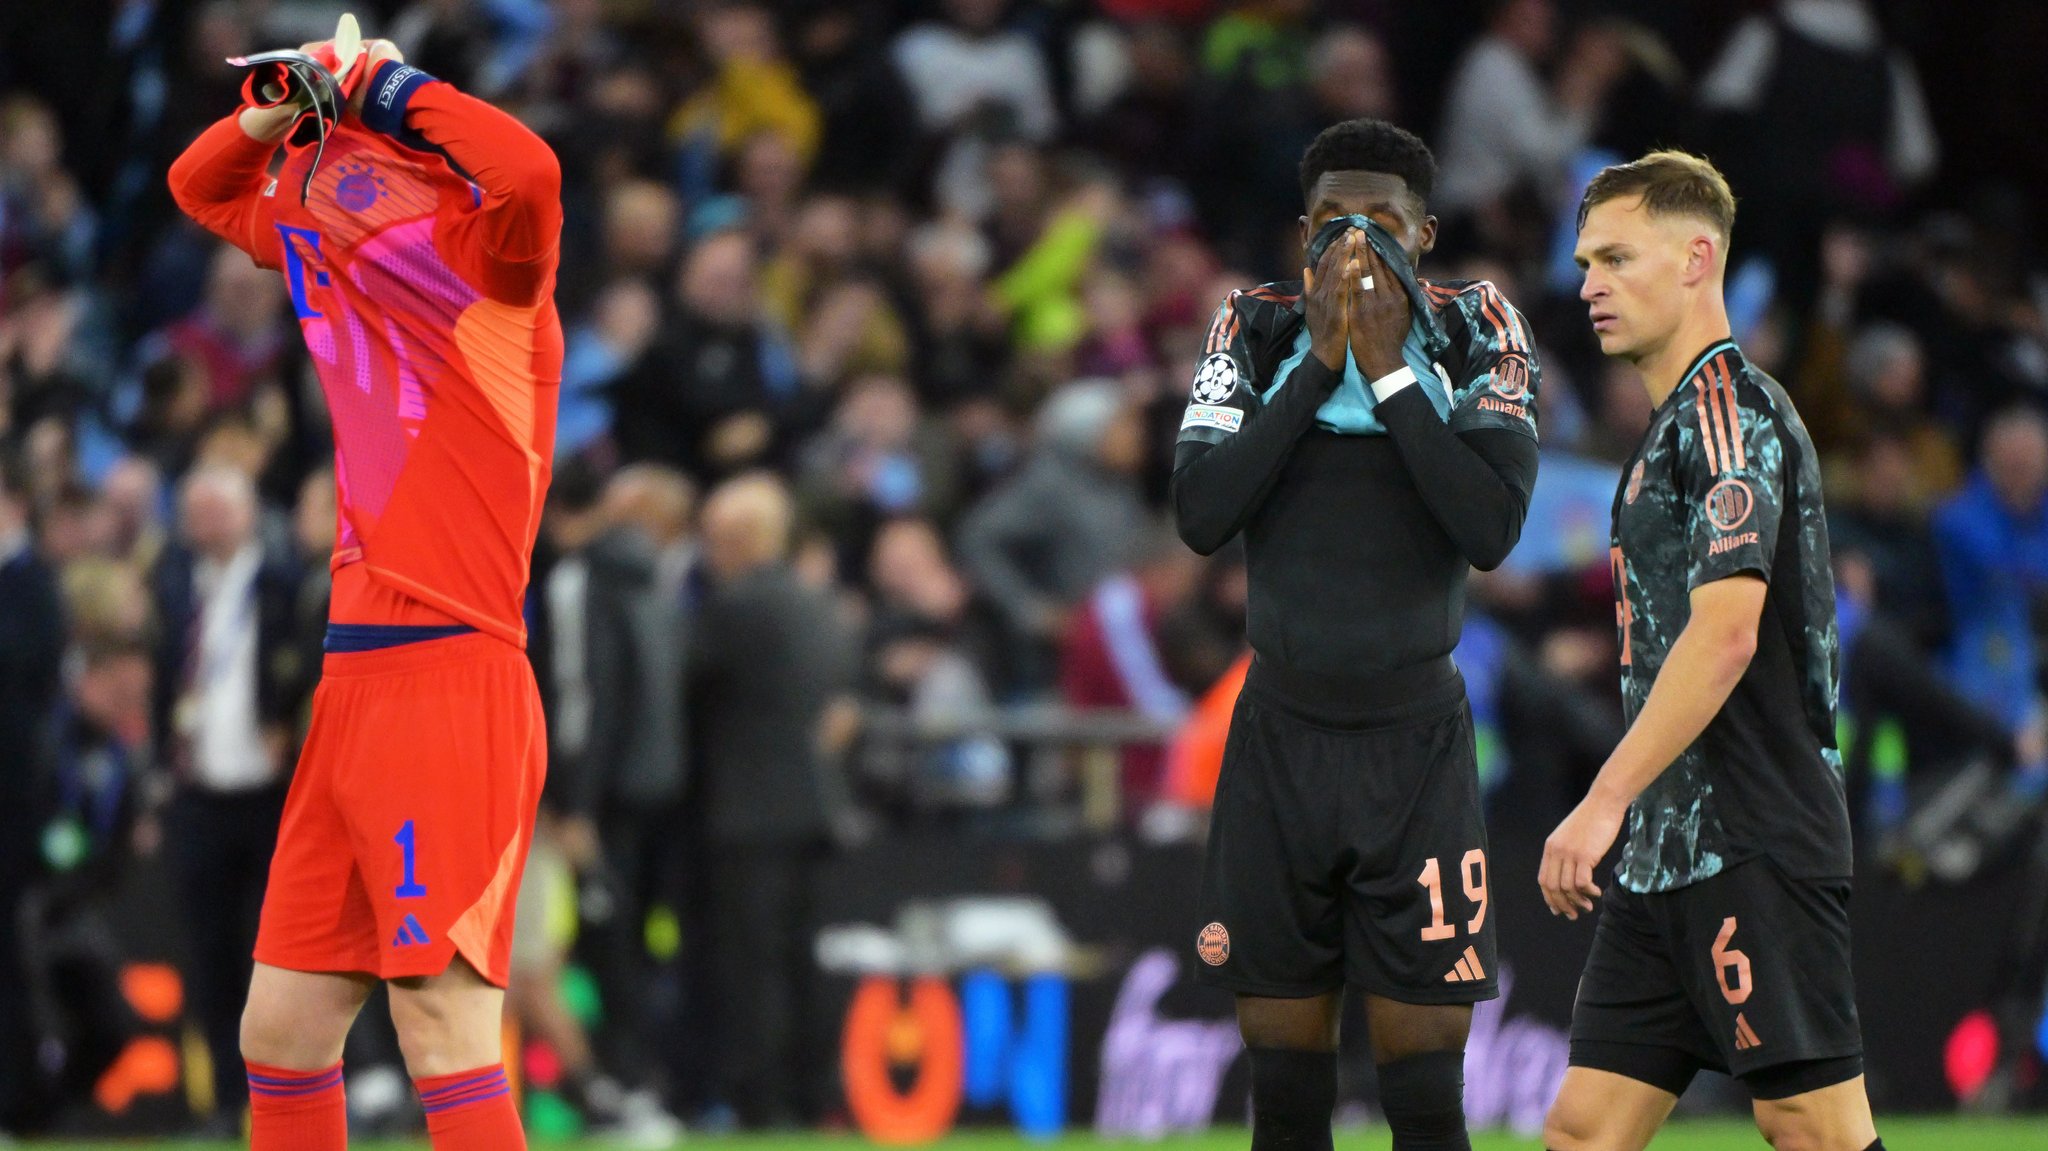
880,318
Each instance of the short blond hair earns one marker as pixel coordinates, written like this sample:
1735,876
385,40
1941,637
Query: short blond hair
1671,184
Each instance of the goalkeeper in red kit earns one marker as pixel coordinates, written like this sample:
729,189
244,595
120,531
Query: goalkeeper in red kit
418,231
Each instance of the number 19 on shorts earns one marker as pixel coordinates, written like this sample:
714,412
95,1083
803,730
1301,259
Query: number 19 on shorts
1472,873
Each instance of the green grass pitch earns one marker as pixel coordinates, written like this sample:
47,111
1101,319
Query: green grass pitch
1900,1134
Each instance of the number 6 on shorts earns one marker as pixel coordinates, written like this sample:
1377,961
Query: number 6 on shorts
1726,957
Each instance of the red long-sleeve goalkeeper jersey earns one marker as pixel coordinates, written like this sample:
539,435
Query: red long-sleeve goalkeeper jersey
423,277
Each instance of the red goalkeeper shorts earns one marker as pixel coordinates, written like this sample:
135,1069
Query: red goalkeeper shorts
406,829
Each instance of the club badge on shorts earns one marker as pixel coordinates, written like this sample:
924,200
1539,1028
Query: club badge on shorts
1213,945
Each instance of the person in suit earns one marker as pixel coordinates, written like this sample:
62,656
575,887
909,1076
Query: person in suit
608,648
772,667
227,689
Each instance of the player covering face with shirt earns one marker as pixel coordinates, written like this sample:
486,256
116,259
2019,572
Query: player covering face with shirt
1372,435
418,231
1724,934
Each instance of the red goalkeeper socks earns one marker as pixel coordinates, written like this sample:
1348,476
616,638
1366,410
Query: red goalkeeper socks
471,1111
297,1110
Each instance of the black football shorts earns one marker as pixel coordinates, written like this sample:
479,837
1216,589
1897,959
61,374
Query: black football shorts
1348,857
1746,973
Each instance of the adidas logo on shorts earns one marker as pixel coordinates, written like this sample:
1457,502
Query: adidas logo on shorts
1745,1036
1468,969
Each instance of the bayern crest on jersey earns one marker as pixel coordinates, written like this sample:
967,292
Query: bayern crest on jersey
1215,379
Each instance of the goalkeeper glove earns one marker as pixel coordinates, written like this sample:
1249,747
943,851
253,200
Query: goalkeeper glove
318,80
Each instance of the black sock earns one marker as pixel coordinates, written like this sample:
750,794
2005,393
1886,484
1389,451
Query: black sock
1424,1100
1293,1094
1876,1144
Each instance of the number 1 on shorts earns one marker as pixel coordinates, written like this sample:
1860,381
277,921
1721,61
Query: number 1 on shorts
407,840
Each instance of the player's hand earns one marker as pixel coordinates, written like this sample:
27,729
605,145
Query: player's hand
375,52
1327,292
1379,318
1572,852
271,124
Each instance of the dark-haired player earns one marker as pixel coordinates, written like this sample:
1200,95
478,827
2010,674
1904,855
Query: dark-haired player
1725,942
1374,437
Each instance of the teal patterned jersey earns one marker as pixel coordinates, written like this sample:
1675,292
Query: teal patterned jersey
1726,484
1486,374
1351,571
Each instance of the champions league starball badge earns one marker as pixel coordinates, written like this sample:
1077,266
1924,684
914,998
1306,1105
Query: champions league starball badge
1216,379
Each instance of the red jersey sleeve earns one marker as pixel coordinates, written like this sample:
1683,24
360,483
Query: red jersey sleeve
222,181
509,244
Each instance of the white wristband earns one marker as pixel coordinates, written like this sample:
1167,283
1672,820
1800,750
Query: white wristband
1392,382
